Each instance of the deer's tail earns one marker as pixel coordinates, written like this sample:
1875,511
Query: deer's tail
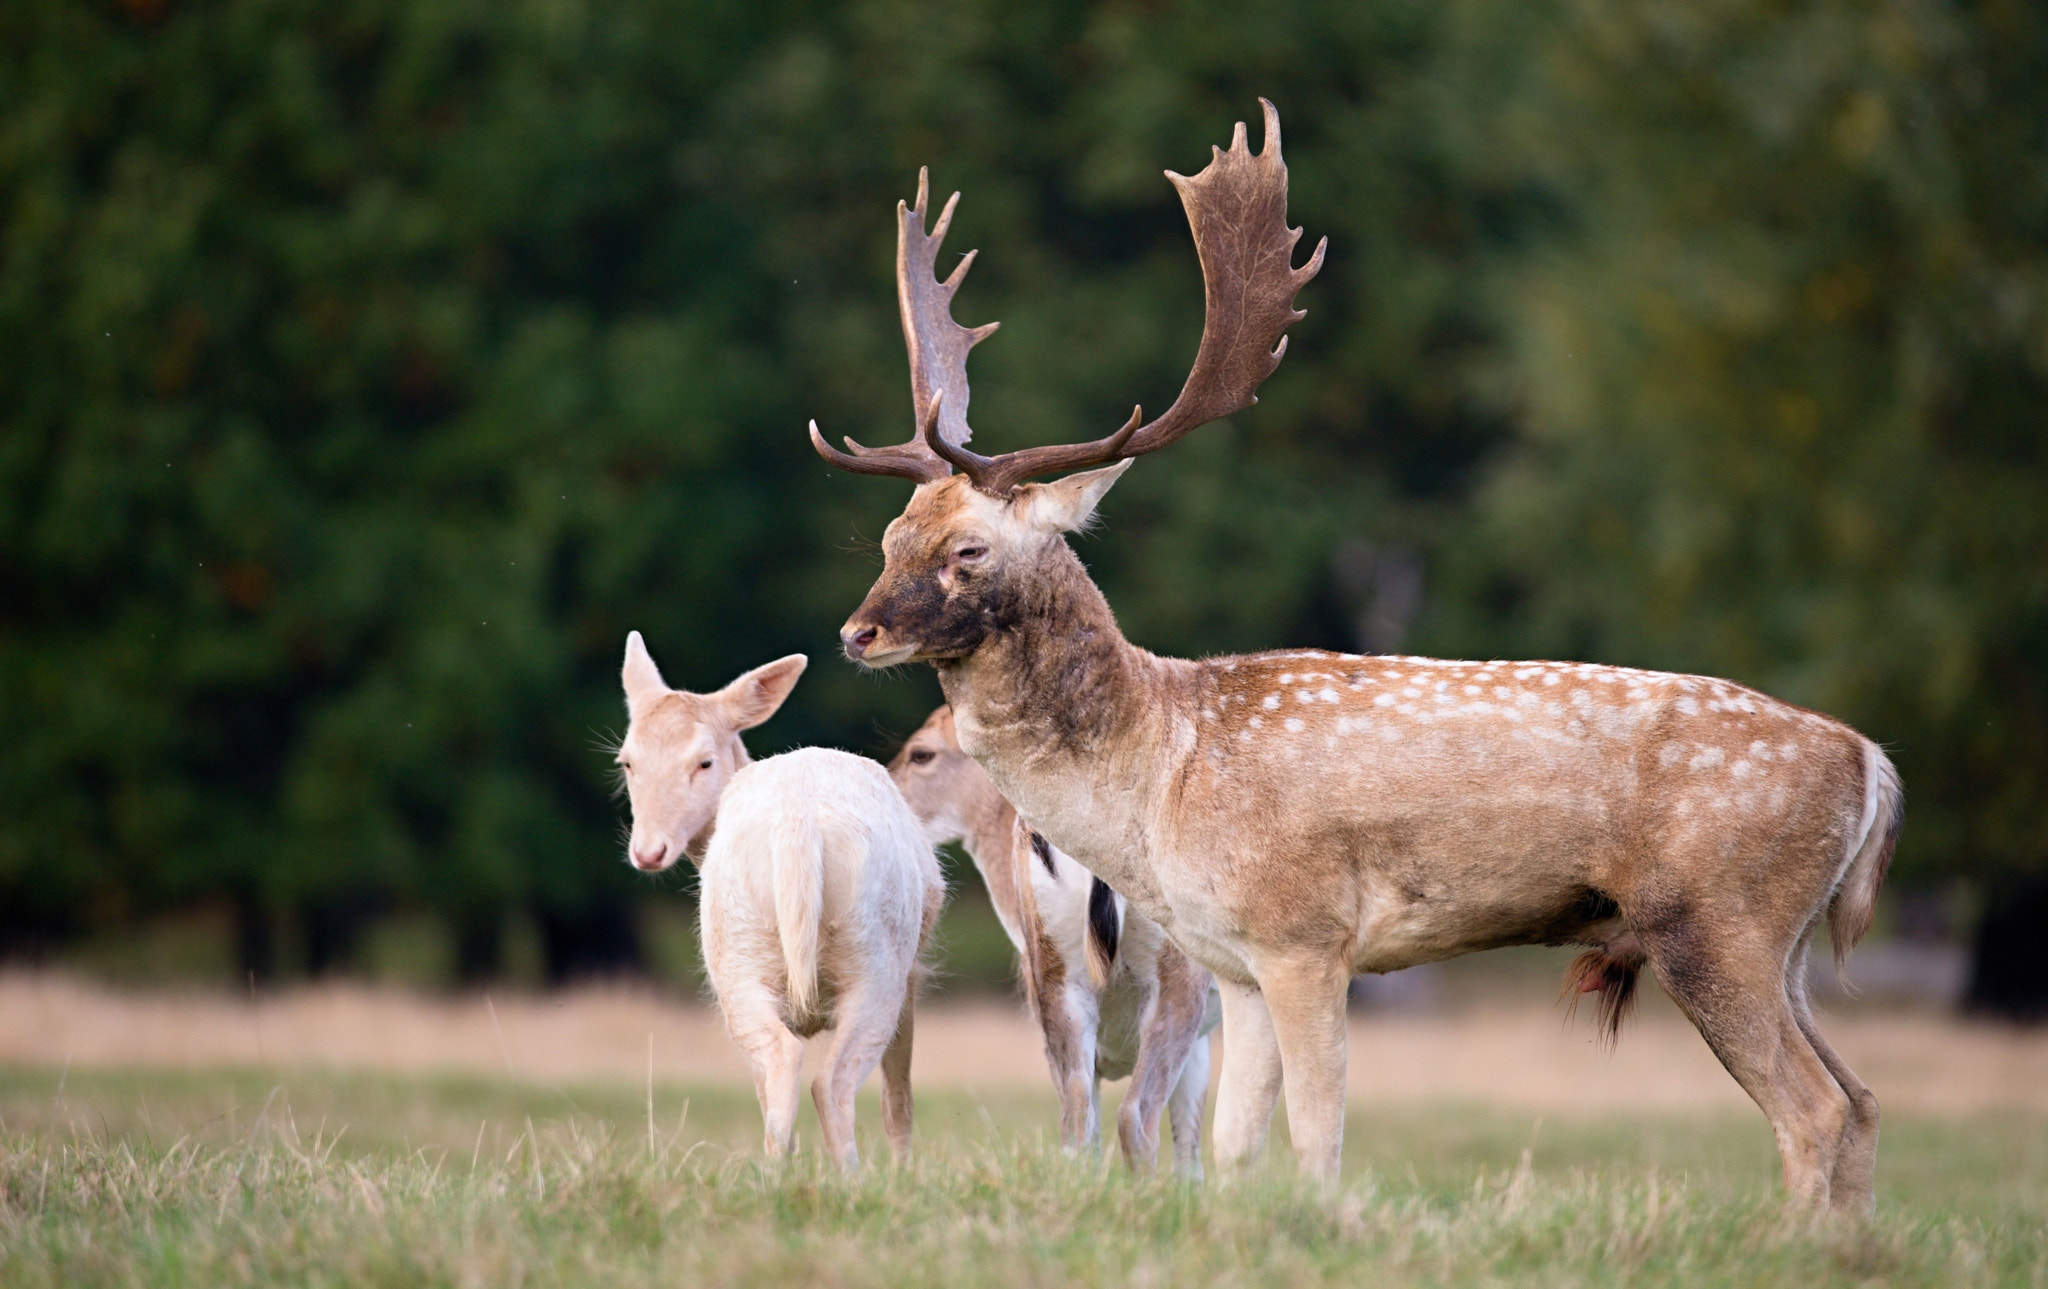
797,854
1854,901
1105,930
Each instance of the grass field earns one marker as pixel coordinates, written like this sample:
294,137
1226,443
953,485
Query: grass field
254,1176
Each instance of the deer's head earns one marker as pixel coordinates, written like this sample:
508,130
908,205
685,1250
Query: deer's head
961,559
946,788
681,749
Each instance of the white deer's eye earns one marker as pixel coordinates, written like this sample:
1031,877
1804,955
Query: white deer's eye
705,764
921,756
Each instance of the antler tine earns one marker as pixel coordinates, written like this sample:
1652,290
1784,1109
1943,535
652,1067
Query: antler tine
911,460
937,346
998,475
1237,212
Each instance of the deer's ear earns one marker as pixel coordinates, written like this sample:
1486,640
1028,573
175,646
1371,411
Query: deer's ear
754,697
640,676
1066,505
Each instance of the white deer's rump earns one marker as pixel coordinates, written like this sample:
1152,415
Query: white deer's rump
818,891
814,879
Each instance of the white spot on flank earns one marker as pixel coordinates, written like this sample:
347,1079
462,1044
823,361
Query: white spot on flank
1740,769
1269,702
1327,694
1411,692
1303,696
1550,678
1760,750
1286,677
1689,706
1208,713
1294,725
1255,722
1788,751
1706,758
1384,700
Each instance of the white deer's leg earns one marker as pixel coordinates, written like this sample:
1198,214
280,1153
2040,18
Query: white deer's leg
1067,1018
1184,1110
775,1057
1251,1076
1306,1000
1172,1018
896,1108
868,1015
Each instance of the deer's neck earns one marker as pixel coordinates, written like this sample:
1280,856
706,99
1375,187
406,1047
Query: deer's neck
1073,723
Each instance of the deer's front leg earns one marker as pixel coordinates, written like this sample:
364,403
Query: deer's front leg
1251,1076
1305,999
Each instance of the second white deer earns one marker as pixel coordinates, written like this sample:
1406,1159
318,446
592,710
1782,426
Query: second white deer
1111,992
817,891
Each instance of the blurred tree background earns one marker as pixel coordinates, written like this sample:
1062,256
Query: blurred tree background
373,366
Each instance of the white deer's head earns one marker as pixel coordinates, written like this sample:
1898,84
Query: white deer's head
681,749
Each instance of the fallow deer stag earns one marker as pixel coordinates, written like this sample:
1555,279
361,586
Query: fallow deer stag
1294,817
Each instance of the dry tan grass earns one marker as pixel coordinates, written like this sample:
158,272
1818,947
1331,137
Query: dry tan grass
1511,1053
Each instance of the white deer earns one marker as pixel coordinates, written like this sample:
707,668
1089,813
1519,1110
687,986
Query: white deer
1112,994
1292,818
817,891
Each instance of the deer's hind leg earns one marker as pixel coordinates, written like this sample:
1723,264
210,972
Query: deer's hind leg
753,1018
1851,1186
1728,976
896,1107
1184,1110
1172,1019
869,1016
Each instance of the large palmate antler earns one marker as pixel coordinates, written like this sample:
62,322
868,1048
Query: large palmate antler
938,351
1237,210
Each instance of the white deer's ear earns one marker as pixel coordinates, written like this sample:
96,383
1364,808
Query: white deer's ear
641,677
1066,505
754,697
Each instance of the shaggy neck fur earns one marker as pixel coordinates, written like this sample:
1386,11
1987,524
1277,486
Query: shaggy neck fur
1071,720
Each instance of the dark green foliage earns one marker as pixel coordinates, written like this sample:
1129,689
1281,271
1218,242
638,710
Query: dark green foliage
373,366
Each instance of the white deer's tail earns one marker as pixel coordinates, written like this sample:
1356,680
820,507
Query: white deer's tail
797,856
1884,809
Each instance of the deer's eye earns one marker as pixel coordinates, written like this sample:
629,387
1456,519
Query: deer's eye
921,756
705,764
971,554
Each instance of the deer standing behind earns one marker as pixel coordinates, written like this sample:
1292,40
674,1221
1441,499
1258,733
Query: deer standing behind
817,891
1112,994
1292,818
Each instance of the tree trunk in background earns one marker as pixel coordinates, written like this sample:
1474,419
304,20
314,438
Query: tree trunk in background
2009,962
255,938
597,940
479,945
